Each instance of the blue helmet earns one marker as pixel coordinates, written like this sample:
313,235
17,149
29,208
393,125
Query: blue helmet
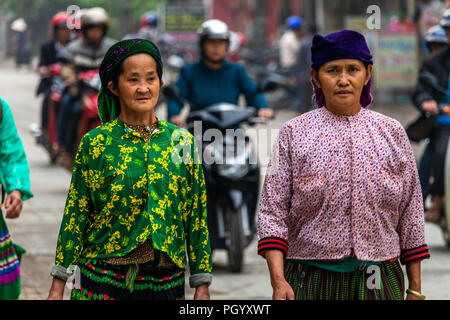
149,19
436,34
294,22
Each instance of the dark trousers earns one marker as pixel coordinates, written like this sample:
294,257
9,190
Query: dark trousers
68,119
425,171
44,110
439,143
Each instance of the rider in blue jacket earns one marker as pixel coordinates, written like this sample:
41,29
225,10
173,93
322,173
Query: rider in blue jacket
214,80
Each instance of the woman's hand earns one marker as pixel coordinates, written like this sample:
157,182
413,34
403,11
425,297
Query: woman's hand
57,289
265,113
282,291
13,205
202,292
281,288
414,279
430,106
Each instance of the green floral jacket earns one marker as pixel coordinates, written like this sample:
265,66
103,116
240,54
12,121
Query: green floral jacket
124,191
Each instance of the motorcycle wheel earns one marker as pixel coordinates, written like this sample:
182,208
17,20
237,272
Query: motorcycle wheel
235,240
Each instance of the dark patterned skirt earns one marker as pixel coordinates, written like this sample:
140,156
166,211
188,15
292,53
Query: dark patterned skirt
382,282
98,280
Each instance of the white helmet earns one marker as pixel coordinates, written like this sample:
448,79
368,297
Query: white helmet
436,34
445,22
95,17
214,29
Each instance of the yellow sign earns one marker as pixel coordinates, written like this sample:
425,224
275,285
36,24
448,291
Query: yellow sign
184,19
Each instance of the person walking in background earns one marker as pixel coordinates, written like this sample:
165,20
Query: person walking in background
342,195
15,181
303,71
289,48
21,43
290,42
134,207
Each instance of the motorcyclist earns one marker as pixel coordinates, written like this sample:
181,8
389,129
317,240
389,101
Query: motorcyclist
427,99
213,79
148,28
52,52
290,41
85,53
435,40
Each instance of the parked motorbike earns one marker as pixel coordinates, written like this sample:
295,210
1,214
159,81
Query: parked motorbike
232,173
424,172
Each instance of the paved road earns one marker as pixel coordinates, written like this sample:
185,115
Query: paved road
38,226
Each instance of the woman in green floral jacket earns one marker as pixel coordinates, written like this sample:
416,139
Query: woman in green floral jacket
137,200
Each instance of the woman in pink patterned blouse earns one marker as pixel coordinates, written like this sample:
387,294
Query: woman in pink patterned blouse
341,202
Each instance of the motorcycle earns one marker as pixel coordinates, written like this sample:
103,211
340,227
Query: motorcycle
84,113
425,165
90,119
232,174
47,137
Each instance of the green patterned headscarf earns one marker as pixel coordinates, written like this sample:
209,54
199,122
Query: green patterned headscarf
108,103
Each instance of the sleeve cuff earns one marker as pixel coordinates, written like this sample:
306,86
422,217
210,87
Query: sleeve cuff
196,280
62,273
415,254
273,243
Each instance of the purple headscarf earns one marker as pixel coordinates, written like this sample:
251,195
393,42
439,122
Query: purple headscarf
345,44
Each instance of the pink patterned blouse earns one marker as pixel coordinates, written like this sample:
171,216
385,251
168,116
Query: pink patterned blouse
342,185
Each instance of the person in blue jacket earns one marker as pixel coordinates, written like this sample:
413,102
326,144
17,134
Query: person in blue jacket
213,79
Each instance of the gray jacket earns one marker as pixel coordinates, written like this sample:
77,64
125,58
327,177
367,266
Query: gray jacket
86,57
